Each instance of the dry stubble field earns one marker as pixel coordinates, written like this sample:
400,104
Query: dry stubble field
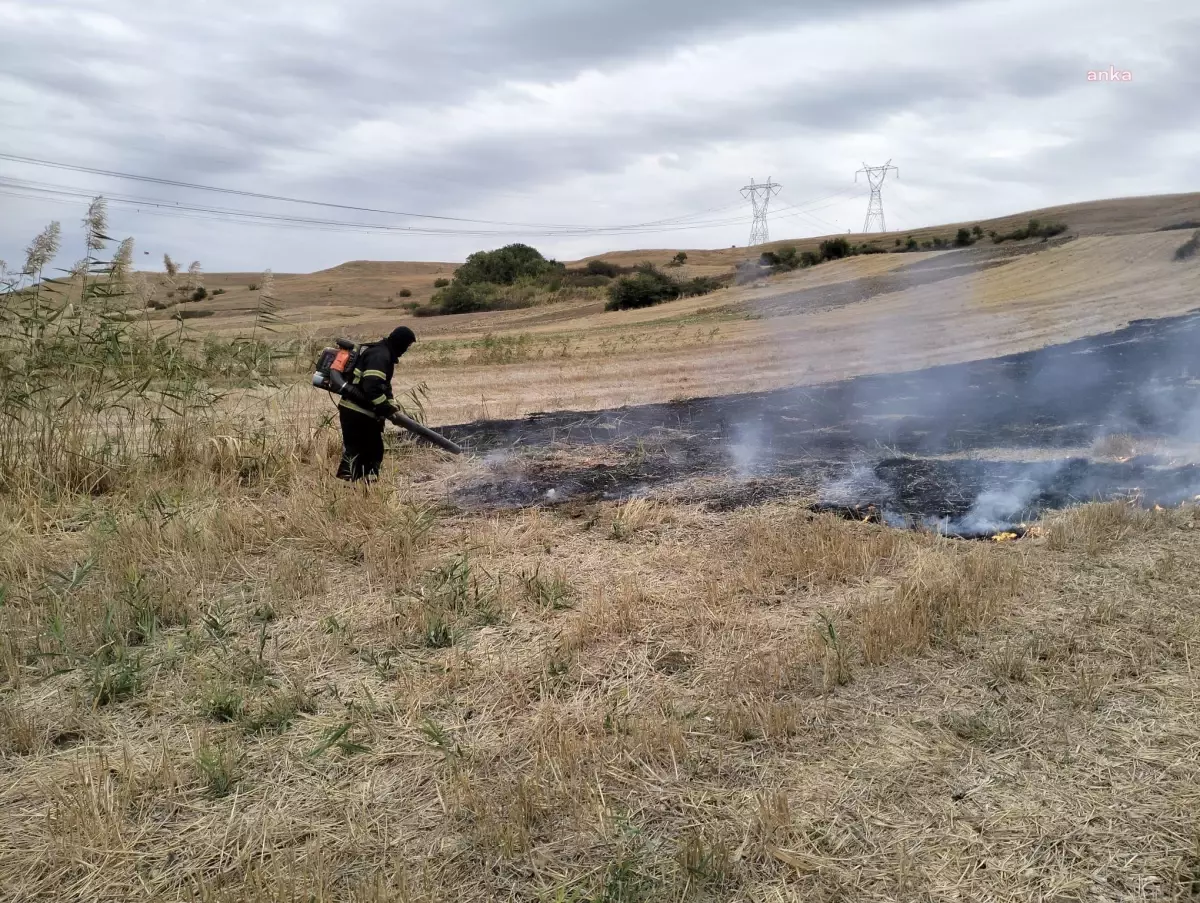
233,678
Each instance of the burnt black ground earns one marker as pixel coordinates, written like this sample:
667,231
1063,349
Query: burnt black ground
870,440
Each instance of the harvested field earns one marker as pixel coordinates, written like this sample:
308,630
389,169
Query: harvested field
672,651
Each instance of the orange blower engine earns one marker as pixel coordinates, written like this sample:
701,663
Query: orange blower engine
335,366
334,373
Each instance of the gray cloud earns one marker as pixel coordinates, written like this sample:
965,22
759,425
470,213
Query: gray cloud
584,112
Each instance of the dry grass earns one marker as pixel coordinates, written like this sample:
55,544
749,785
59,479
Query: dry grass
226,676
240,700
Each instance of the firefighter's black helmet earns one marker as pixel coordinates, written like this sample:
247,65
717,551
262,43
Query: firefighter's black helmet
400,340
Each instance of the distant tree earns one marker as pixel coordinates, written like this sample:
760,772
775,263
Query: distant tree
440,283
911,244
679,259
199,293
603,268
700,285
963,238
644,288
464,298
504,266
834,249
977,231
780,261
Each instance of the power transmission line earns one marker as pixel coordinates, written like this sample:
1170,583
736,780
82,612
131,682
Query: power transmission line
549,228
876,176
760,195
186,210
57,192
808,211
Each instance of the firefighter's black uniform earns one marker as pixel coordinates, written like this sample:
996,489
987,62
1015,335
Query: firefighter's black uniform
366,405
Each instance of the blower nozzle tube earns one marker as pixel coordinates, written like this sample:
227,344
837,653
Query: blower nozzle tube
425,433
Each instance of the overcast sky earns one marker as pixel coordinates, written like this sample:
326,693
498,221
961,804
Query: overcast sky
591,113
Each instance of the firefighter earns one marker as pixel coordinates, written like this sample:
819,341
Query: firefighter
367,403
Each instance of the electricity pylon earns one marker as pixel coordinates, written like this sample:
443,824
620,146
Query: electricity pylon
760,194
876,175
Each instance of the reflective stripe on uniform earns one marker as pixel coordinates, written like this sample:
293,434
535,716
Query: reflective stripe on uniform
378,373
380,400
351,406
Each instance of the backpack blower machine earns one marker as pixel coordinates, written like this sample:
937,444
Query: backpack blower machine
331,375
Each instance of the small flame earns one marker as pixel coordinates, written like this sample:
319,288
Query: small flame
1158,507
1004,537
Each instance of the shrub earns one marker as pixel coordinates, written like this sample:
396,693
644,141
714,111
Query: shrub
648,286
603,268
809,259
911,244
218,291
464,298
679,259
441,283
834,249
963,238
200,293
645,288
870,249
1189,247
577,279
253,286
505,266
977,232
781,261
1035,229
700,285
405,293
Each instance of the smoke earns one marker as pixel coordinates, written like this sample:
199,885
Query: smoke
500,459
853,486
746,449
749,271
999,507
967,448
1049,406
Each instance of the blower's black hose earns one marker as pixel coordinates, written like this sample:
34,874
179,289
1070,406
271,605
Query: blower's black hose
339,384
425,433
